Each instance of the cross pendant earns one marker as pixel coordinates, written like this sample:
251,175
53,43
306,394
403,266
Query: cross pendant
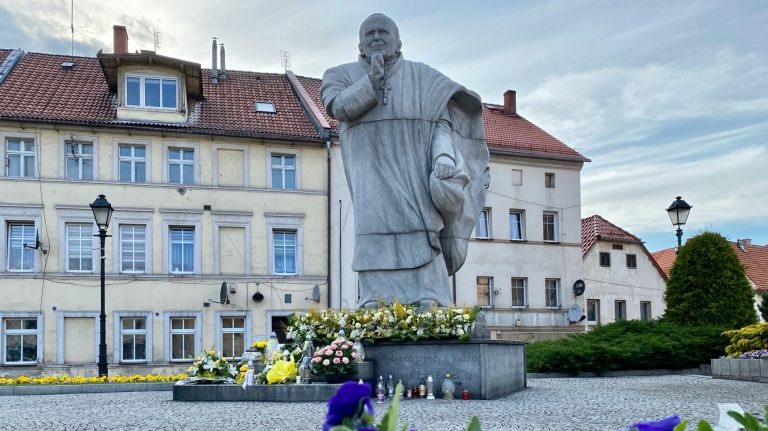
384,90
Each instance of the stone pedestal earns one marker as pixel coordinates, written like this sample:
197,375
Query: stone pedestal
486,368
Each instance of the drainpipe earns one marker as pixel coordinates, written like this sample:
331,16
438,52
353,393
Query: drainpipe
328,217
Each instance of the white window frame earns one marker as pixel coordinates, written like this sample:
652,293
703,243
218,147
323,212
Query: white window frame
83,246
220,331
555,226
558,294
38,332
195,244
23,245
69,214
12,214
23,155
64,155
285,222
484,219
520,224
131,216
117,330
169,332
237,220
122,242
142,90
181,145
525,291
177,218
490,290
116,144
282,152
282,168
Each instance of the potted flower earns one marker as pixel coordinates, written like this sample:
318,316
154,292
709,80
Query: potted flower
335,361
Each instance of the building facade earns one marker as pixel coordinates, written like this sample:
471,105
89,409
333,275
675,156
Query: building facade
622,280
215,176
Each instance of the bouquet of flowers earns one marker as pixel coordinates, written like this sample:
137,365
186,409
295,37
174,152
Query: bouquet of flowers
335,358
212,366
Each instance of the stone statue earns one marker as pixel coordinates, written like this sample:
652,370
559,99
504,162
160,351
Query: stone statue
416,162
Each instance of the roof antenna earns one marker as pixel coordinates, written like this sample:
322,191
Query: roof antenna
68,65
156,37
285,59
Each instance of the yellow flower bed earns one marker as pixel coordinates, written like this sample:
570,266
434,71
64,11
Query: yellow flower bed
79,380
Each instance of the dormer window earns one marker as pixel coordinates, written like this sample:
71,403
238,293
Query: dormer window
151,92
265,107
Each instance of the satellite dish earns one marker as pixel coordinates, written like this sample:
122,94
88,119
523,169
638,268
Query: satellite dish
223,295
575,313
315,294
258,297
578,287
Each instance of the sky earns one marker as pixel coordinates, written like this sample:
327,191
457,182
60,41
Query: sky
666,98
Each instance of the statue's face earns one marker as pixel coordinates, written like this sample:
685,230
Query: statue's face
378,34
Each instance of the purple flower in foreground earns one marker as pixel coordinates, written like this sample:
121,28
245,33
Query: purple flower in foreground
350,401
667,424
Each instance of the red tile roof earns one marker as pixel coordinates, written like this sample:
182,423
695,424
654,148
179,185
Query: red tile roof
596,228
753,257
504,133
514,135
38,89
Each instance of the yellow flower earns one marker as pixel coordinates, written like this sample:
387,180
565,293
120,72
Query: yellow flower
260,344
211,353
281,371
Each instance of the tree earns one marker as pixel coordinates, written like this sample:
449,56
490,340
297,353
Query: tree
707,285
763,307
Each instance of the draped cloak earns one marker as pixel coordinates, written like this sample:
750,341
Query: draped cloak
406,218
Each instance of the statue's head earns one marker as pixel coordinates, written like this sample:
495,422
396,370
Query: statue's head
379,34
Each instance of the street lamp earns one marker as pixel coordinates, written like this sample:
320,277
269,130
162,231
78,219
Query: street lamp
102,212
678,214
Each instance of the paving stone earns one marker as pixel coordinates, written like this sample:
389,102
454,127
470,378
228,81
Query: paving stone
600,404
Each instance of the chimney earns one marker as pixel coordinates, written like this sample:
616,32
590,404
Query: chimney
120,39
510,102
223,73
214,70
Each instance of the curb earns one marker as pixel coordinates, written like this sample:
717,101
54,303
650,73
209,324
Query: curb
628,373
95,388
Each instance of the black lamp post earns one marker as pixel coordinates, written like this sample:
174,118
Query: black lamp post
678,214
102,212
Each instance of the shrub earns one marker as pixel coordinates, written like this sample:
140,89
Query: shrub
746,339
707,285
628,345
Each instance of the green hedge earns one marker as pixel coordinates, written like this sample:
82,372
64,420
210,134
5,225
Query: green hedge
628,345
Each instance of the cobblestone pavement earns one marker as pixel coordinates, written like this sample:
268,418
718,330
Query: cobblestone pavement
603,404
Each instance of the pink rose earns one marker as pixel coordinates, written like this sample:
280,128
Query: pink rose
318,353
328,352
316,360
326,362
345,360
344,347
354,355
336,361
334,345
339,353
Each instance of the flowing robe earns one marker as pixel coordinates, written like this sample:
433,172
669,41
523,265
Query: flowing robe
411,228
